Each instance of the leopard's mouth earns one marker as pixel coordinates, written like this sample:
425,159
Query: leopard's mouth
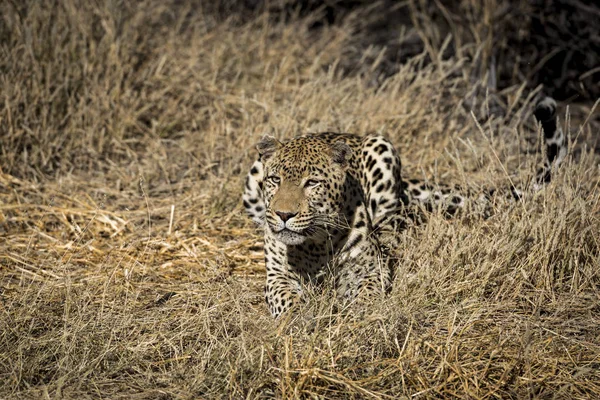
280,227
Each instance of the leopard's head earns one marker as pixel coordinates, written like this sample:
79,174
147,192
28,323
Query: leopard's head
304,186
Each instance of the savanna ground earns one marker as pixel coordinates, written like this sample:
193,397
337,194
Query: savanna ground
127,267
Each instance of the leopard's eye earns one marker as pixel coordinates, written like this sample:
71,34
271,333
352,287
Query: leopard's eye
311,183
274,179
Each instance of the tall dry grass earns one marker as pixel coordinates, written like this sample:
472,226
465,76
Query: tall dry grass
127,269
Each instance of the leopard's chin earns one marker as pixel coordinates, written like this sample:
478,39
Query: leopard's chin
289,237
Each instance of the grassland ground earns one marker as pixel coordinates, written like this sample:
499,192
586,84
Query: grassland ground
127,267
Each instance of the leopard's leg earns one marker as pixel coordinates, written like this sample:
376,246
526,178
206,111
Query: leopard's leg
381,181
360,267
253,197
365,275
283,287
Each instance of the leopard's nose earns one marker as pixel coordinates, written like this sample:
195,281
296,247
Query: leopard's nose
285,215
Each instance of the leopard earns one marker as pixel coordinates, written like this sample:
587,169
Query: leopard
331,205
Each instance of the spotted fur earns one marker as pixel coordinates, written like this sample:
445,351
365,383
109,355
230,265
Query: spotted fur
331,204
453,198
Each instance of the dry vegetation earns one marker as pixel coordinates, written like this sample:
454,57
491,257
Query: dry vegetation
127,267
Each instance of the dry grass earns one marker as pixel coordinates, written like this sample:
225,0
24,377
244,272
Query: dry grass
127,269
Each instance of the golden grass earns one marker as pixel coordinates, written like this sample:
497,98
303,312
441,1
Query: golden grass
127,267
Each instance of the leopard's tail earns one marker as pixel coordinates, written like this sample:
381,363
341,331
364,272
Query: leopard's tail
452,199
554,139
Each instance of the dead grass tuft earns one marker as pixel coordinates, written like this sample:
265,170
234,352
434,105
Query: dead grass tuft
127,269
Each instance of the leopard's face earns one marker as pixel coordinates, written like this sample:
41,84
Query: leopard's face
303,189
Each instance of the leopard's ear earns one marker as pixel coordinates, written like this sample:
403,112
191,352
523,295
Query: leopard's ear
341,153
267,146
